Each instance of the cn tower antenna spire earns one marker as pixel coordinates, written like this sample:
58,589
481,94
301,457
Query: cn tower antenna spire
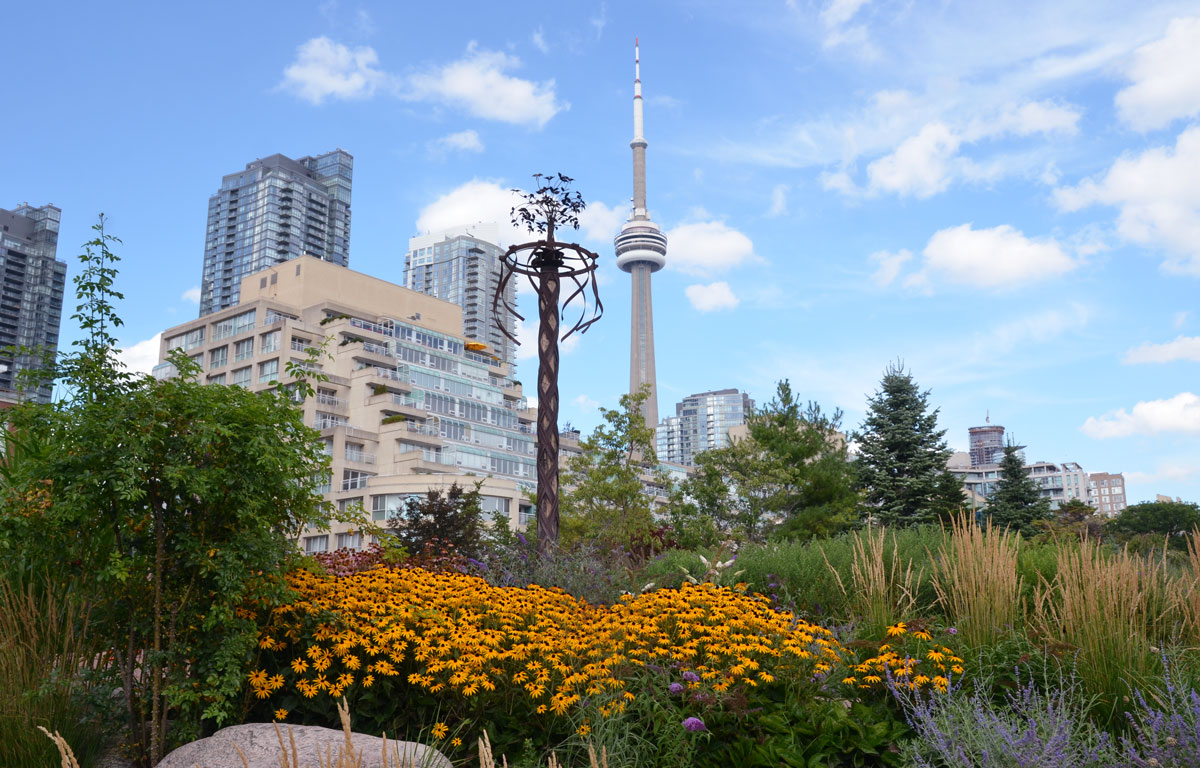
641,250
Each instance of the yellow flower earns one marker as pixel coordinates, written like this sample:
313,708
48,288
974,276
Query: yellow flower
281,714
921,634
849,680
584,729
257,678
368,681
935,656
872,679
897,629
456,742
299,666
541,710
440,730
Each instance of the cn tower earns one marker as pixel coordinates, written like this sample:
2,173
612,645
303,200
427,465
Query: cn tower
641,250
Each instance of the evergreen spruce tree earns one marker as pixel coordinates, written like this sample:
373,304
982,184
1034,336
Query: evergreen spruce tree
1017,502
902,456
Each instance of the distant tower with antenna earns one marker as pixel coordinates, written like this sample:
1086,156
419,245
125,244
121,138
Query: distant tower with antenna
641,250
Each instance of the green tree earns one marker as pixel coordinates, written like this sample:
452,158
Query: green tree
181,502
604,497
790,475
454,519
1170,519
902,456
1017,502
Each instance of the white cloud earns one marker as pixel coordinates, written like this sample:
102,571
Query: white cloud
463,141
920,166
191,295
1167,471
600,20
1179,318
997,258
1158,195
1043,326
586,403
778,200
141,356
479,84
527,338
476,201
888,266
711,297
599,222
325,69
1166,78
707,247
1182,348
539,41
1028,119
1176,414
838,12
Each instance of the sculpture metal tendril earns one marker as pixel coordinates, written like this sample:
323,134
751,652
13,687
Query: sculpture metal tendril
546,264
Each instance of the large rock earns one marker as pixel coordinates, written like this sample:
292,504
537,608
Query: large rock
260,745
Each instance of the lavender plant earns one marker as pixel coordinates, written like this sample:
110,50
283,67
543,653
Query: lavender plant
1165,730
1031,728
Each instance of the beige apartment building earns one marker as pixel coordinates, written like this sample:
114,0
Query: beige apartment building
408,404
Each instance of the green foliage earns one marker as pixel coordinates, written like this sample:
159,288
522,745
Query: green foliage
791,474
190,496
1170,519
603,497
1017,502
902,456
453,520
395,417
48,676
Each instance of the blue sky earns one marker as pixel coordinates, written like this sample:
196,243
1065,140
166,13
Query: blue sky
1004,196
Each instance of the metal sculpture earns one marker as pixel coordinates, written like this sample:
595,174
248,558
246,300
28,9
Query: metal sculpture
547,263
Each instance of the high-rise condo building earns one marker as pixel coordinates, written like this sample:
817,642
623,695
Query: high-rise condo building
31,295
1106,493
275,210
986,444
641,250
701,422
405,406
462,265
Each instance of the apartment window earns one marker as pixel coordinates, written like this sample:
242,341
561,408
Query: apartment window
268,371
240,377
349,540
243,322
198,359
353,479
316,543
218,357
347,505
176,342
243,350
270,343
387,506
218,379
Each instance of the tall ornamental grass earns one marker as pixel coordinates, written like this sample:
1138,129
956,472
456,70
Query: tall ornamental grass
43,654
1114,610
977,583
882,588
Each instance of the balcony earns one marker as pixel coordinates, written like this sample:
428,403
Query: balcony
325,399
329,422
361,457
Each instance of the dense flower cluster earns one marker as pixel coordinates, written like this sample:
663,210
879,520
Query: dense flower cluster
917,663
449,633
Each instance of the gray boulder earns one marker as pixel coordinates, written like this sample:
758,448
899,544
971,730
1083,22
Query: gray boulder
260,744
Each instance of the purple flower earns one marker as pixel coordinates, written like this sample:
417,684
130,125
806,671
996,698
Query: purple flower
694,724
691,677
522,538
675,688
951,631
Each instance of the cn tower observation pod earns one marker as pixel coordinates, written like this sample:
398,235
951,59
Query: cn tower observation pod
640,242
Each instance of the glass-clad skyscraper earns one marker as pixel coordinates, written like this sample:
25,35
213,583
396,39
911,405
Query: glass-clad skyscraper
275,210
31,293
462,265
701,422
